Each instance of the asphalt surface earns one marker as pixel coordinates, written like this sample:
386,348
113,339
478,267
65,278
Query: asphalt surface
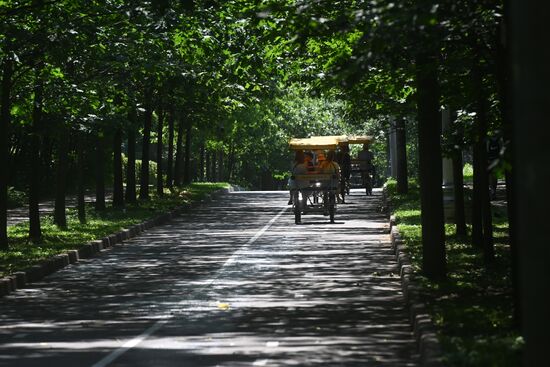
234,283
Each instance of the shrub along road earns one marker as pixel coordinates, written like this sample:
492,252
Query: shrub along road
235,282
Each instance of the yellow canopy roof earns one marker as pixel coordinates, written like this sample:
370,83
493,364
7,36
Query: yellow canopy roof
360,139
316,142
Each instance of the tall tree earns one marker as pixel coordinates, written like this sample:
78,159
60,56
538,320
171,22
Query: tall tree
401,143
147,122
100,170
430,167
35,166
530,57
5,117
170,159
118,186
60,215
131,167
160,178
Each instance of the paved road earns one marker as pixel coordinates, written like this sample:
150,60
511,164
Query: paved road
236,283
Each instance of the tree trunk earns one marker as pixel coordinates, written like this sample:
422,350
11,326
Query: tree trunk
80,181
458,180
213,170
530,56
147,121
186,169
5,116
201,163
170,161
131,167
118,186
179,152
207,163
430,167
60,216
401,145
503,71
481,165
220,166
100,173
160,186
35,174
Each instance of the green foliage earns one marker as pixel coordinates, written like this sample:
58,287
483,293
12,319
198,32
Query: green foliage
472,309
23,254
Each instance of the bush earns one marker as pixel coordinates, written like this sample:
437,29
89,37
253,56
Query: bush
16,198
152,170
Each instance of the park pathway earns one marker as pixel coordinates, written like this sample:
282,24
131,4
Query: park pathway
234,283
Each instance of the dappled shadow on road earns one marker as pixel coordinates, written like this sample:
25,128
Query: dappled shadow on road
321,294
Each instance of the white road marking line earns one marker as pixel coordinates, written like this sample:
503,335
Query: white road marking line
157,325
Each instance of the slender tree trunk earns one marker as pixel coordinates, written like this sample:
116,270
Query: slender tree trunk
118,186
430,167
480,150
179,152
170,161
35,230
186,169
530,57
201,163
7,72
100,173
458,181
221,166
503,72
80,203
208,168
231,161
131,167
147,121
160,178
213,169
401,142
60,216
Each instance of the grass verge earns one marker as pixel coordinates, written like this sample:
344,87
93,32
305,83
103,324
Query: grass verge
472,308
23,254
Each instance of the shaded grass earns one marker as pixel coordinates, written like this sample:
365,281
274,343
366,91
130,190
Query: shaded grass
23,254
472,308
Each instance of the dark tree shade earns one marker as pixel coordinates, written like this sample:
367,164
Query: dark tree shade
430,167
530,56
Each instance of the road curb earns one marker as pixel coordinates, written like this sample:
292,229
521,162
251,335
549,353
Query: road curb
424,330
91,249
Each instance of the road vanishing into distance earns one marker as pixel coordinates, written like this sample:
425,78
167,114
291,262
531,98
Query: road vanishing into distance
232,283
